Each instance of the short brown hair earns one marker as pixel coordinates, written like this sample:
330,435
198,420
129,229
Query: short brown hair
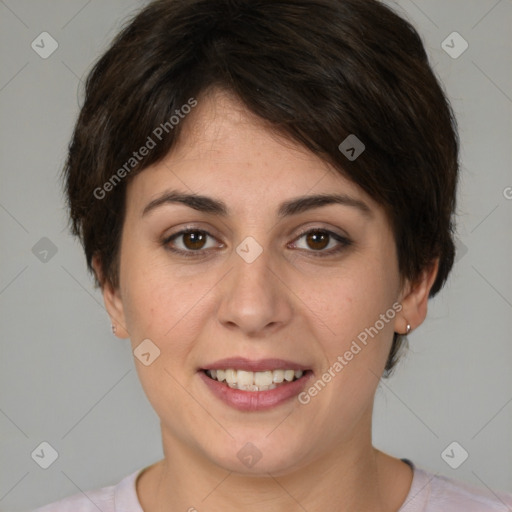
316,70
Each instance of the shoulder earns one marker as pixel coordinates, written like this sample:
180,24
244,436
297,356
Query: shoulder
446,493
121,497
435,493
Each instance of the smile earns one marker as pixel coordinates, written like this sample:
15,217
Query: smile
253,391
254,381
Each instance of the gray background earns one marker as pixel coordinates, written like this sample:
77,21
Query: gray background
66,380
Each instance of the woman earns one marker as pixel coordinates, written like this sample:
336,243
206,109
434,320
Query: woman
264,191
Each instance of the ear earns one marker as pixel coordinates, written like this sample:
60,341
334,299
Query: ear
112,299
415,299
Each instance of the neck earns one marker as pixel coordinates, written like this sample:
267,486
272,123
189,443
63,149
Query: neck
351,476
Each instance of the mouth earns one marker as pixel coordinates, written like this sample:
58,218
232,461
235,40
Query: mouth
244,380
255,385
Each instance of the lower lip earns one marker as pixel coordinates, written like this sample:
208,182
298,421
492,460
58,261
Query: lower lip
255,400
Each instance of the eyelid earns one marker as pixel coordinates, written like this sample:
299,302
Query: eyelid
324,229
187,228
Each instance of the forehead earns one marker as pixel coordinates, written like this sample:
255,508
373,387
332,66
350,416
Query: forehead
223,131
226,151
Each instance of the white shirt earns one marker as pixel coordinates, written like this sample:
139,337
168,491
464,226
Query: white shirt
428,493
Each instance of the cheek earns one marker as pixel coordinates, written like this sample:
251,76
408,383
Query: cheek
349,306
155,306
164,306
352,301
147,293
161,308
354,344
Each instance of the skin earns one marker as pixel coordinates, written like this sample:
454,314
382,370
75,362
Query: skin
289,303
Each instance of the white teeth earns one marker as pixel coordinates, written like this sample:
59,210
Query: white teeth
289,375
266,388
254,381
262,379
244,378
278,376
231,376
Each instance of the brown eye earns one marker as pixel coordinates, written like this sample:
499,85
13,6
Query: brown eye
317,240
191,242
194,240
321,242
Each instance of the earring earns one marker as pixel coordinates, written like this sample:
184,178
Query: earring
114,329
408,329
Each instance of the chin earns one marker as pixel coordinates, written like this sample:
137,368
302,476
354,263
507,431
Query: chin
258,455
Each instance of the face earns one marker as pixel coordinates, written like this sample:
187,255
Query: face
256,271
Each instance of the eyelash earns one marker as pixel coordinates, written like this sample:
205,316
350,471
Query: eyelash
342,241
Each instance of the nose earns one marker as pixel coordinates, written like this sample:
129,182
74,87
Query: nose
254,300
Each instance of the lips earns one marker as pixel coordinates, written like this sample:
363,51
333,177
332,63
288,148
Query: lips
253,397
253,365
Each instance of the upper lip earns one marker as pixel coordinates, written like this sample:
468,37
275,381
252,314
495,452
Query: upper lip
254,365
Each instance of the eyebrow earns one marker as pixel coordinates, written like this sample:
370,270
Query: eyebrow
294,206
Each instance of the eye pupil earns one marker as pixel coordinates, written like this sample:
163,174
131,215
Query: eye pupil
194,240
318,240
